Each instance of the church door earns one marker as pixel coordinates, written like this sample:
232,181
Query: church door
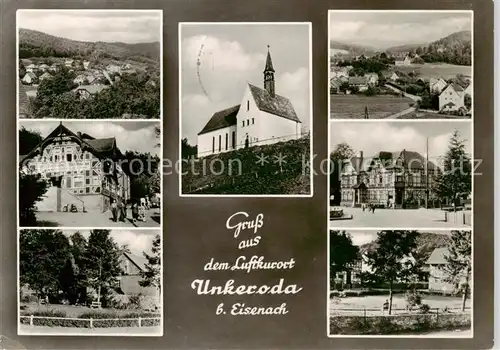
246,142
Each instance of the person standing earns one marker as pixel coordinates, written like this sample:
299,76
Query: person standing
123,211
114,209
135,211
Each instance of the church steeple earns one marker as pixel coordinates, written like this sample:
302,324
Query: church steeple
269,74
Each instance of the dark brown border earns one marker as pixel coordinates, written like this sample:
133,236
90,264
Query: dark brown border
194,227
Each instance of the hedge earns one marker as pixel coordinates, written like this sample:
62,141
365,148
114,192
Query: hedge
398,324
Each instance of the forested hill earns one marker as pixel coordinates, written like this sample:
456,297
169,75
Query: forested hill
426,243
38,44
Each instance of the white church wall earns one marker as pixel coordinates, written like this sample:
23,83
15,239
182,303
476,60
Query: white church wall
215,141
248,121
277,129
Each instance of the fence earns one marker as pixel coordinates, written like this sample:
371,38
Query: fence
460,217
374,312
91,322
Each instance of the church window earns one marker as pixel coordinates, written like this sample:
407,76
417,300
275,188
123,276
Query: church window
69,157
248,105
87,172
56,158
87,189
220,142
234,140
243,123
227,139
248,122
253,121
213,144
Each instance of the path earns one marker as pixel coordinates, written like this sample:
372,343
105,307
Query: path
129,331
413,97
396,218
400,114
95,219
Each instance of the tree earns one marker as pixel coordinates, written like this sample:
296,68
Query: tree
391,261
78,249
341,153
102,262
456,179
151,276
343,254
458,267
188,151
28,140
468,101
32,188
42,258
22,69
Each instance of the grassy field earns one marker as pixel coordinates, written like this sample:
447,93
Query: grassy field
352,306
436,70
353,106
426,115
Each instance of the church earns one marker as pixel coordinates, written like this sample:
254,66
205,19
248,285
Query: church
263,117
82,171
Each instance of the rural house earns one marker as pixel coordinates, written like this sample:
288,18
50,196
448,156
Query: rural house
31,68
68,63
404,62
86,65
80,79
451,98
29,78
74,165
394,77
335,84
54,67
437,276
437,85
338,72
361,83
45,75
262,117
43,67
132,266
391,179
372,78
87,91
23,101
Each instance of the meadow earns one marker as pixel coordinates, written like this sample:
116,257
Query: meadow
353,106
436,70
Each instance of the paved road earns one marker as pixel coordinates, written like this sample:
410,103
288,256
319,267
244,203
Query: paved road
396,218
130,331
93,219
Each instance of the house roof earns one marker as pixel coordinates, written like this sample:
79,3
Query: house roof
335,82
139,261
30,74
105,147
221,119
411,160
92,89
46,75
437,256
277,105
357,80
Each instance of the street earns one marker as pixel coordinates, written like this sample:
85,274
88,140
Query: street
398,218
95,219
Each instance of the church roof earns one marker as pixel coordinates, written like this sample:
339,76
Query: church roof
221,119
269,63
277,105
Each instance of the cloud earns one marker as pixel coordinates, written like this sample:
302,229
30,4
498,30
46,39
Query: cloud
107,26
141,139
215,72
137,241
372,138
384,29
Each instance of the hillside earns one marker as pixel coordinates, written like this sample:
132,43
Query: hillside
38,44
403,48
426,243
351,48
243,174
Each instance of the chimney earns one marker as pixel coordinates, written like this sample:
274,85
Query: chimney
79,134
360,154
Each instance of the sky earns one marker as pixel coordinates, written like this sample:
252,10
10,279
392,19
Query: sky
392,28
360,237
87,25
372,137
234,55
138,241
130,135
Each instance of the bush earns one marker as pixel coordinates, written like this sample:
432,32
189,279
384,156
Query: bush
413,299
31,190
384,325
424,308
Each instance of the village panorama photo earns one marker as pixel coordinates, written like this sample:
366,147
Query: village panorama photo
90,282
246,109
89,64
400,283
400,64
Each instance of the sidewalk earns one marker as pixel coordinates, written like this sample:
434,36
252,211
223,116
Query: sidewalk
396,218
95,219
